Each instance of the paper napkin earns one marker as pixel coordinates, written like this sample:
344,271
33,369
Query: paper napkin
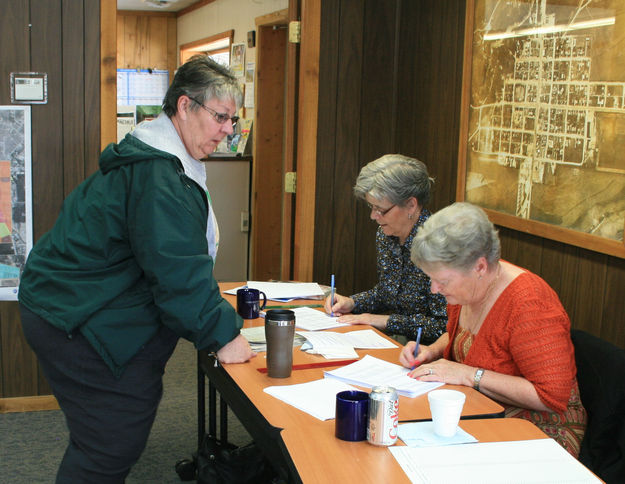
421,434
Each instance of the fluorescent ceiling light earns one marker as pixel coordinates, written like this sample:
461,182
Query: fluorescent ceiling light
160,3
551,29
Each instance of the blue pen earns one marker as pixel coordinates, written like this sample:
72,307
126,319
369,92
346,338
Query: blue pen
332,294
416,348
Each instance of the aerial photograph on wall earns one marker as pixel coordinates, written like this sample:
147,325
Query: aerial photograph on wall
546,138
15,197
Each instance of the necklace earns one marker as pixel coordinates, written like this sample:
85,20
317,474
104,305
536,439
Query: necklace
476,323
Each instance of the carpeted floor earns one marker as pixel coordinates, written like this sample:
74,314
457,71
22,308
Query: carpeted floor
32,443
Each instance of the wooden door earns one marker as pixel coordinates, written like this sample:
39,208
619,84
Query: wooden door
268,147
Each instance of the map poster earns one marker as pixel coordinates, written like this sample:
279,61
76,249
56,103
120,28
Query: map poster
542,147
16,237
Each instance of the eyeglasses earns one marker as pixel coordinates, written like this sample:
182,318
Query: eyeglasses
221,118
381,212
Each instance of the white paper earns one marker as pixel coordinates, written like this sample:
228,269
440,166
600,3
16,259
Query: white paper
313,320
317,398
370,372
280,291
248,100
341,345
330,351
519,462
367,339
255,336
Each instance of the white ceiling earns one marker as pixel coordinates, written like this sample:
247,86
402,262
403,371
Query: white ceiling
153,5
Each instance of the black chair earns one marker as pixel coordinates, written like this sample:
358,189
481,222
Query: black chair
601,379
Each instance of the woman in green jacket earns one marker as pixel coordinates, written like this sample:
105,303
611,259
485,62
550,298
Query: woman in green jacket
126,270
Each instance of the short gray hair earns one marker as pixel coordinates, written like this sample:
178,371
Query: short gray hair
395,177
456,237
201,78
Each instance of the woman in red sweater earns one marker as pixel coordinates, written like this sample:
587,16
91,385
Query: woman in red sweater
508,335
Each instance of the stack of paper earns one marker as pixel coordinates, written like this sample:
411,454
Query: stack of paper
256,338
370,372
313,320
284,291
318,397
342,345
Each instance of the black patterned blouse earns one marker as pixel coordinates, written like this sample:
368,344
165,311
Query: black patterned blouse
403,291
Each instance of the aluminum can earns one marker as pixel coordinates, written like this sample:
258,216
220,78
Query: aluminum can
383,416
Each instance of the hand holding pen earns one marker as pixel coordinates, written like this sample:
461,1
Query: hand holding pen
416,348
342,305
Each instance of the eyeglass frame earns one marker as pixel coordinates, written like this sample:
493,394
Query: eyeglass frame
221,118
381,213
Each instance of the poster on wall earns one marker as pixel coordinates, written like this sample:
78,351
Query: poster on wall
16,234
237,59
544,118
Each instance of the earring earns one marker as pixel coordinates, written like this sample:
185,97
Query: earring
409,216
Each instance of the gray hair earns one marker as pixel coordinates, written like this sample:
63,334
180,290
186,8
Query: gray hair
456,237
201,79
395,177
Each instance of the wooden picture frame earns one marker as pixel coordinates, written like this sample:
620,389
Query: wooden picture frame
542,128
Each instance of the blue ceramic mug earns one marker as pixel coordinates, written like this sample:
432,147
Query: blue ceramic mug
352,415
248,302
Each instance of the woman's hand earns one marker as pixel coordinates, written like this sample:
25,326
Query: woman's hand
444,371
377,320
407,359
237,351
342,305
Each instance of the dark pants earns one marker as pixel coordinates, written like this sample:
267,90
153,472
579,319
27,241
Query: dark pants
109,419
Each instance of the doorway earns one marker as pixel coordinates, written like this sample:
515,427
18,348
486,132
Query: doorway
268,150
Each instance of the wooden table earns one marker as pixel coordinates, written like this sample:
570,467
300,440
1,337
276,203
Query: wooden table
319,457
304,446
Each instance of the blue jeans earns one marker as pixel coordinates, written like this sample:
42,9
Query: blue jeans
109,419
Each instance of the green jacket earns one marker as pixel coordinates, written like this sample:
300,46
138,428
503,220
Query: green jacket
127,254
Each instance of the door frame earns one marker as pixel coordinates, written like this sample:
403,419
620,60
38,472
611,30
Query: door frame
307,118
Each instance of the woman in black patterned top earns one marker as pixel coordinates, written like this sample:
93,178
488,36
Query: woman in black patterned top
396,188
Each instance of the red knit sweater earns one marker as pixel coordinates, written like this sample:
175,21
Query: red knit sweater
526,333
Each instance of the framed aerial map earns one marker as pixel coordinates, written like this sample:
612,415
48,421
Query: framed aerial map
542,143
16,234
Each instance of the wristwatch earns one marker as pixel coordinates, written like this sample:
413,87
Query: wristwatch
477,378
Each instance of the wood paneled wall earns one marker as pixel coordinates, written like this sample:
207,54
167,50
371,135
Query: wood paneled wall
390,78
65,134
147,40
389,83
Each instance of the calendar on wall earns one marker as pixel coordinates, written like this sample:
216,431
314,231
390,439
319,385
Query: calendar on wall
146,86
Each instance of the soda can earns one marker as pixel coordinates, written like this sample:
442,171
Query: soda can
383,416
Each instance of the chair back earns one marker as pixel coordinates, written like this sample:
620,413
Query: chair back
601,380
